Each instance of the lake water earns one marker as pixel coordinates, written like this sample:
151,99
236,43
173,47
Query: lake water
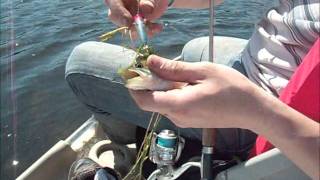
37,106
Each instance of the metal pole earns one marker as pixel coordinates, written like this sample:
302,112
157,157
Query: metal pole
208,135
211,30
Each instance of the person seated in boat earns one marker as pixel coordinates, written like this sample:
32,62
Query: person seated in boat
295,133
276,48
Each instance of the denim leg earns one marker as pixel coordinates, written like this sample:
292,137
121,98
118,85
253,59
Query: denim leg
227,51
91,72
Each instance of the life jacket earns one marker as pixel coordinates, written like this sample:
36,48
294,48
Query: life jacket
302,93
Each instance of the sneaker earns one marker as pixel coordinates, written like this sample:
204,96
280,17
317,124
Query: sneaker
86,169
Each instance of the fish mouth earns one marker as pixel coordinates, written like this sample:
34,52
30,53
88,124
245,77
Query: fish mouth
133,72
144,79
140,79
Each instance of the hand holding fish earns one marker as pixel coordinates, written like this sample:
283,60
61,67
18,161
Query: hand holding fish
213,96
219,97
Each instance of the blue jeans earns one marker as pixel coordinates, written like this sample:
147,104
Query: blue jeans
91,72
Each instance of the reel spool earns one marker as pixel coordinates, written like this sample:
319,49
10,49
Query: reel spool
166,148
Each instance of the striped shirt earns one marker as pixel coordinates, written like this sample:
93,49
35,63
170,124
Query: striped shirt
280,42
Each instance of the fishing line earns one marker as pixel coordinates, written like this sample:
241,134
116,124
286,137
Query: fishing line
138,8
13,96
135,172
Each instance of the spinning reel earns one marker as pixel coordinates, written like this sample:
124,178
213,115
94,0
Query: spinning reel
165,151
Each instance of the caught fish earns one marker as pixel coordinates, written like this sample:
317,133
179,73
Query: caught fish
144,79
139,77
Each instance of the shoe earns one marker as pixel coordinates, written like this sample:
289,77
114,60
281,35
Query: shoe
87,169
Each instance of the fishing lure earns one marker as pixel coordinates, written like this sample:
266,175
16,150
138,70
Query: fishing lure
141,28
137,76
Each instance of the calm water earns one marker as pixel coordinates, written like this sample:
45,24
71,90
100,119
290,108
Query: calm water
37,106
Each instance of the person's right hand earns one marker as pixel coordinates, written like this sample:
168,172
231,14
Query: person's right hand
121,12
215,96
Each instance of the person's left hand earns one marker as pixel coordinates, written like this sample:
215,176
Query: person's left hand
121,13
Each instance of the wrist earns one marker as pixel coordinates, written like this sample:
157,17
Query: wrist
270,115
262,111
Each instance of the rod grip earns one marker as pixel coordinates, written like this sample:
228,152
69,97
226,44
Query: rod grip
208,137
206,168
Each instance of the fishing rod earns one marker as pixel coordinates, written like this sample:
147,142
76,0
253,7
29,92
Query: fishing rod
208,135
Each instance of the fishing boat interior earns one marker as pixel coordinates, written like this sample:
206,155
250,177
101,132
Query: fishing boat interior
165,150
91,140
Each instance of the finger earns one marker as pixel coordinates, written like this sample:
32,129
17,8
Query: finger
119,14
153,28
162,102
156,101
146,7
175,70
120,20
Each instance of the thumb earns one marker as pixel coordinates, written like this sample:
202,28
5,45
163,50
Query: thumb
119,14
175,70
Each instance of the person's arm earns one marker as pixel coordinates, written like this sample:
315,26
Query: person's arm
219,97
294,134
193,4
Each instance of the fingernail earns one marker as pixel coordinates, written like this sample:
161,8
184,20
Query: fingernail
126,20
153,62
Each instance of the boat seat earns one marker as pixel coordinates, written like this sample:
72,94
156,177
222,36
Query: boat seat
271,165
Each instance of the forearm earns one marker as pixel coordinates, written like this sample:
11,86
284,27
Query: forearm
294,134
193,4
